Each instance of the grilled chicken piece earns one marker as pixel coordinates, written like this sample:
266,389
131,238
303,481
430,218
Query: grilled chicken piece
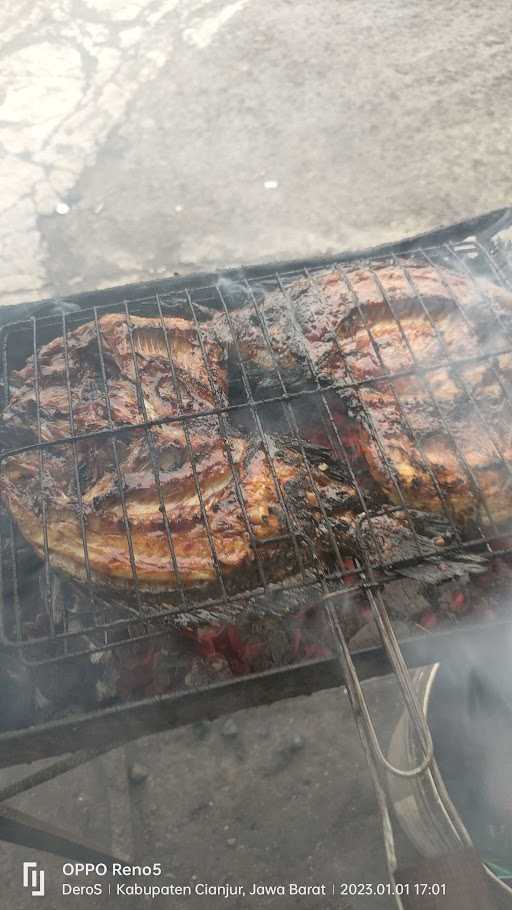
167,473
435,438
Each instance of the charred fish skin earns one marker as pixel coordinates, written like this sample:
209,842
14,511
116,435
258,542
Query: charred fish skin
186,503
113,357
403,345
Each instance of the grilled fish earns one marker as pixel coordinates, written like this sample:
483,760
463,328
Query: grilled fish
178,503
405,347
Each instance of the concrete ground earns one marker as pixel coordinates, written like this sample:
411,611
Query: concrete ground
146,137
182,134
271,795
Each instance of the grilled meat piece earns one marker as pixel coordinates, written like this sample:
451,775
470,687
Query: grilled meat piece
105,534
75,488
122,354
435,437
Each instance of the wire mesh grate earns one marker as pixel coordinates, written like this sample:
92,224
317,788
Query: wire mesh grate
94,619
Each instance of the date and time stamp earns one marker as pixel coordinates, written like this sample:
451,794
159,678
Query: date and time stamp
151,881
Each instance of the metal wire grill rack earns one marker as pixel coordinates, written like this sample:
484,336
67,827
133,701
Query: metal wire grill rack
99,625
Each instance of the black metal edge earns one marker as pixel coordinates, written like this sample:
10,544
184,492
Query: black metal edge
12,316
489,224
122,723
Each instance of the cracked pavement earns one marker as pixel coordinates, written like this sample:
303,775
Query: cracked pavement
68,75
146,137
183,134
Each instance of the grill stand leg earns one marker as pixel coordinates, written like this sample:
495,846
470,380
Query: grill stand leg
27,831
20,828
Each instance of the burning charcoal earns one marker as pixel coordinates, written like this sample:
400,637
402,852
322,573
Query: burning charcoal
17,702
202,673
367,637
280,646
406,598
458,601
428,620
168,668
136,666
73,682
107,683
349,616
404,629
451,596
